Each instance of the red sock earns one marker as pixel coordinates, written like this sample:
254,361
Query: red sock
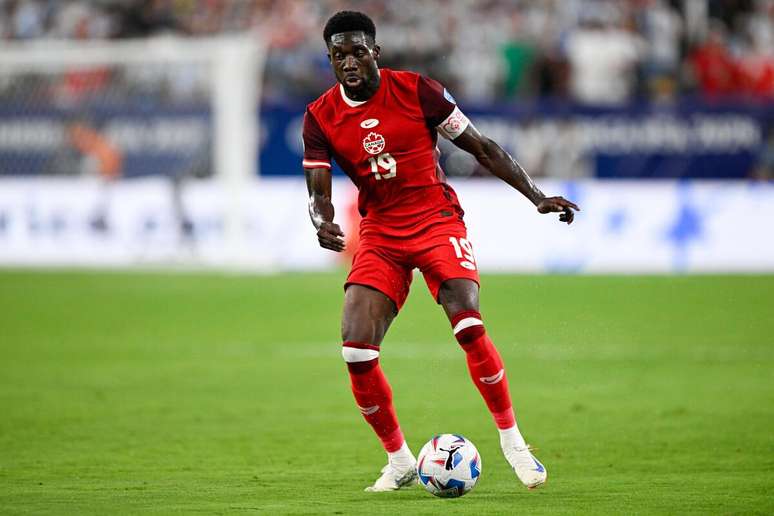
372,393
485,366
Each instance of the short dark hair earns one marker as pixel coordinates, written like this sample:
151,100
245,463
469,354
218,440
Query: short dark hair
349,21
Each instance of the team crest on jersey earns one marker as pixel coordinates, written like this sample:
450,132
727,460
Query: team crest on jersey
373,143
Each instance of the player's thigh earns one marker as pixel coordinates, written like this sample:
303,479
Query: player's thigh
367,315
379,267
376,288
458,295
449,267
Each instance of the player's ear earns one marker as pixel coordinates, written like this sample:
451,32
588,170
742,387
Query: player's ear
376,51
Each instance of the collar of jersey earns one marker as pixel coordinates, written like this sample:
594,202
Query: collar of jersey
355,103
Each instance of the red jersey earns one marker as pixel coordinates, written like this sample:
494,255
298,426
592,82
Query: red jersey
387,147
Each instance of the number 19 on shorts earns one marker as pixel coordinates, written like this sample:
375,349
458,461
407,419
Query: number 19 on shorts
464,251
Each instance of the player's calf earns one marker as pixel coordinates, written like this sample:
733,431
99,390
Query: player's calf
488,373
372,392
485,366
374,399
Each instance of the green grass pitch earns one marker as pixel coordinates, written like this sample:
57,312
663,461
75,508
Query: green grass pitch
216,394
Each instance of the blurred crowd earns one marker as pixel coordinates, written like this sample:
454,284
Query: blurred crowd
591,51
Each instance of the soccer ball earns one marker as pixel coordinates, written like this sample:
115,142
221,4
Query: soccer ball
449,465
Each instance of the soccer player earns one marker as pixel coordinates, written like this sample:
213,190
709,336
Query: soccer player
381,127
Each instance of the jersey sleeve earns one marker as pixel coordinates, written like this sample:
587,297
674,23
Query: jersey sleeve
317,153
440,109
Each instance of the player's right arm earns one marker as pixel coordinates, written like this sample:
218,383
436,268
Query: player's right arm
317,168
318,184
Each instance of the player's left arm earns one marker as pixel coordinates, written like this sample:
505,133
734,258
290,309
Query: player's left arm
494,158
441,111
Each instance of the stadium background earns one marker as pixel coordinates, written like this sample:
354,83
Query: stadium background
165,135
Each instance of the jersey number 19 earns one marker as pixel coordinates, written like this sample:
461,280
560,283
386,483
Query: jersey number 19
385,162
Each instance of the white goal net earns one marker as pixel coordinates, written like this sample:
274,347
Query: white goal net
128,151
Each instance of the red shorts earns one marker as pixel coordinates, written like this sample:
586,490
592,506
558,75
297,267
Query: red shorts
387,264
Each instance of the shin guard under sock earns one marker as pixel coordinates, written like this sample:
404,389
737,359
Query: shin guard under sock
372,393
485,366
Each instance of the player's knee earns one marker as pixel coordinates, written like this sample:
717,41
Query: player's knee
467,326
364,330
360,358
360,335
458,295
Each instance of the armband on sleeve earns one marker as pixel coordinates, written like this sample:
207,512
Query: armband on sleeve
454,125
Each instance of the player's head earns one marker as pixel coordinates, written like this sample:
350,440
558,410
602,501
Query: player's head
352,50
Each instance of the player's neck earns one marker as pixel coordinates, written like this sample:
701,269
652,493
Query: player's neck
366,92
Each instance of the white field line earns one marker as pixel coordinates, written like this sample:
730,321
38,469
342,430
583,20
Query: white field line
561,352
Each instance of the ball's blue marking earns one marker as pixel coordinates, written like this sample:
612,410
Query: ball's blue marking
457,485
456,459
423,478
475,470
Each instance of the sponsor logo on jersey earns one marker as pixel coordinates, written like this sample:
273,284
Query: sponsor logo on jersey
448,96
494,378
367,124
373,143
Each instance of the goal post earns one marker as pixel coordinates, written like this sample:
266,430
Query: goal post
66,81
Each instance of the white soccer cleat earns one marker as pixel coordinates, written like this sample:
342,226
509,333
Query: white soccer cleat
394,477
529,470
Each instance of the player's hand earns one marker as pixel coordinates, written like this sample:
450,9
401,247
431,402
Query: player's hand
331,237
556,205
